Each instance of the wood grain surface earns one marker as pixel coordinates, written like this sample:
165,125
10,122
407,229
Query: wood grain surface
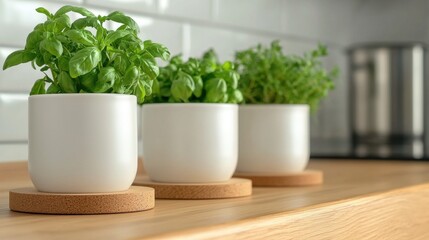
358,200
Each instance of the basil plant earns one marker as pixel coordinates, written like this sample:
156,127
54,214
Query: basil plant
204,80
85,57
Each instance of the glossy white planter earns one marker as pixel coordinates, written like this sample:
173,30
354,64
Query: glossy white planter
190,142
274,139
82,142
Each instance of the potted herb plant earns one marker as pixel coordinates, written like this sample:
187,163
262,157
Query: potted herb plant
82,114
279,91
190,122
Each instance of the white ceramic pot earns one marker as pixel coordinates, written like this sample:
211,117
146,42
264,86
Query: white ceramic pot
274,139
82,142
190,142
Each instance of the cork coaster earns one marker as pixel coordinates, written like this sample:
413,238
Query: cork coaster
30,200
304,178
235,187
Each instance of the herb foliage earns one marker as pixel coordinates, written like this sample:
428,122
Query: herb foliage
270,77
74,60
197,80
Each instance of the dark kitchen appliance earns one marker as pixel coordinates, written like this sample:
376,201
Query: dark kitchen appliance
387,100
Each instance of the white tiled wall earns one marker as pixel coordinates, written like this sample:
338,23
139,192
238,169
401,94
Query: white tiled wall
390,20
191,27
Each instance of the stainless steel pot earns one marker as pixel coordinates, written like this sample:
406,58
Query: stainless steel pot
387,100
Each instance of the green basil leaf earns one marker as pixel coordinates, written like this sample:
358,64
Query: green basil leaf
198,81
101,87
157,50
216,89
47,57
118,86
39,60
61,23
121,18
38,87
140,92
39,27
18,57
192,66
63,63
53,89
82,23
210,57
106,79
84,61
234,76
231,77
131,75
182,87
107,75
49,26
148,86
81,36
88,81
66,83
155,86
113,36
53,46
44,11
33,40
227,66
121,64
68,8
149,65
101,32
235,96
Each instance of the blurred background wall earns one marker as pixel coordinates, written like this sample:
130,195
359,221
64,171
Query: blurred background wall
192,26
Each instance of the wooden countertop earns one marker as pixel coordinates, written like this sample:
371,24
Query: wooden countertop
359,200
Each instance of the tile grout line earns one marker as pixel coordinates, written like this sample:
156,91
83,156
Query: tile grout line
13,142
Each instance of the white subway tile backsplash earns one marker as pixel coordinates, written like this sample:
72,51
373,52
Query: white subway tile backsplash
165,32
68,2
389,21
13,117
203,38
188,9
225,42
18,18
13,152
255,14
136,6
323,21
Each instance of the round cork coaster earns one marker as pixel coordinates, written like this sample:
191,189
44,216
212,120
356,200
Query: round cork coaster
304,178
235,187
30,200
